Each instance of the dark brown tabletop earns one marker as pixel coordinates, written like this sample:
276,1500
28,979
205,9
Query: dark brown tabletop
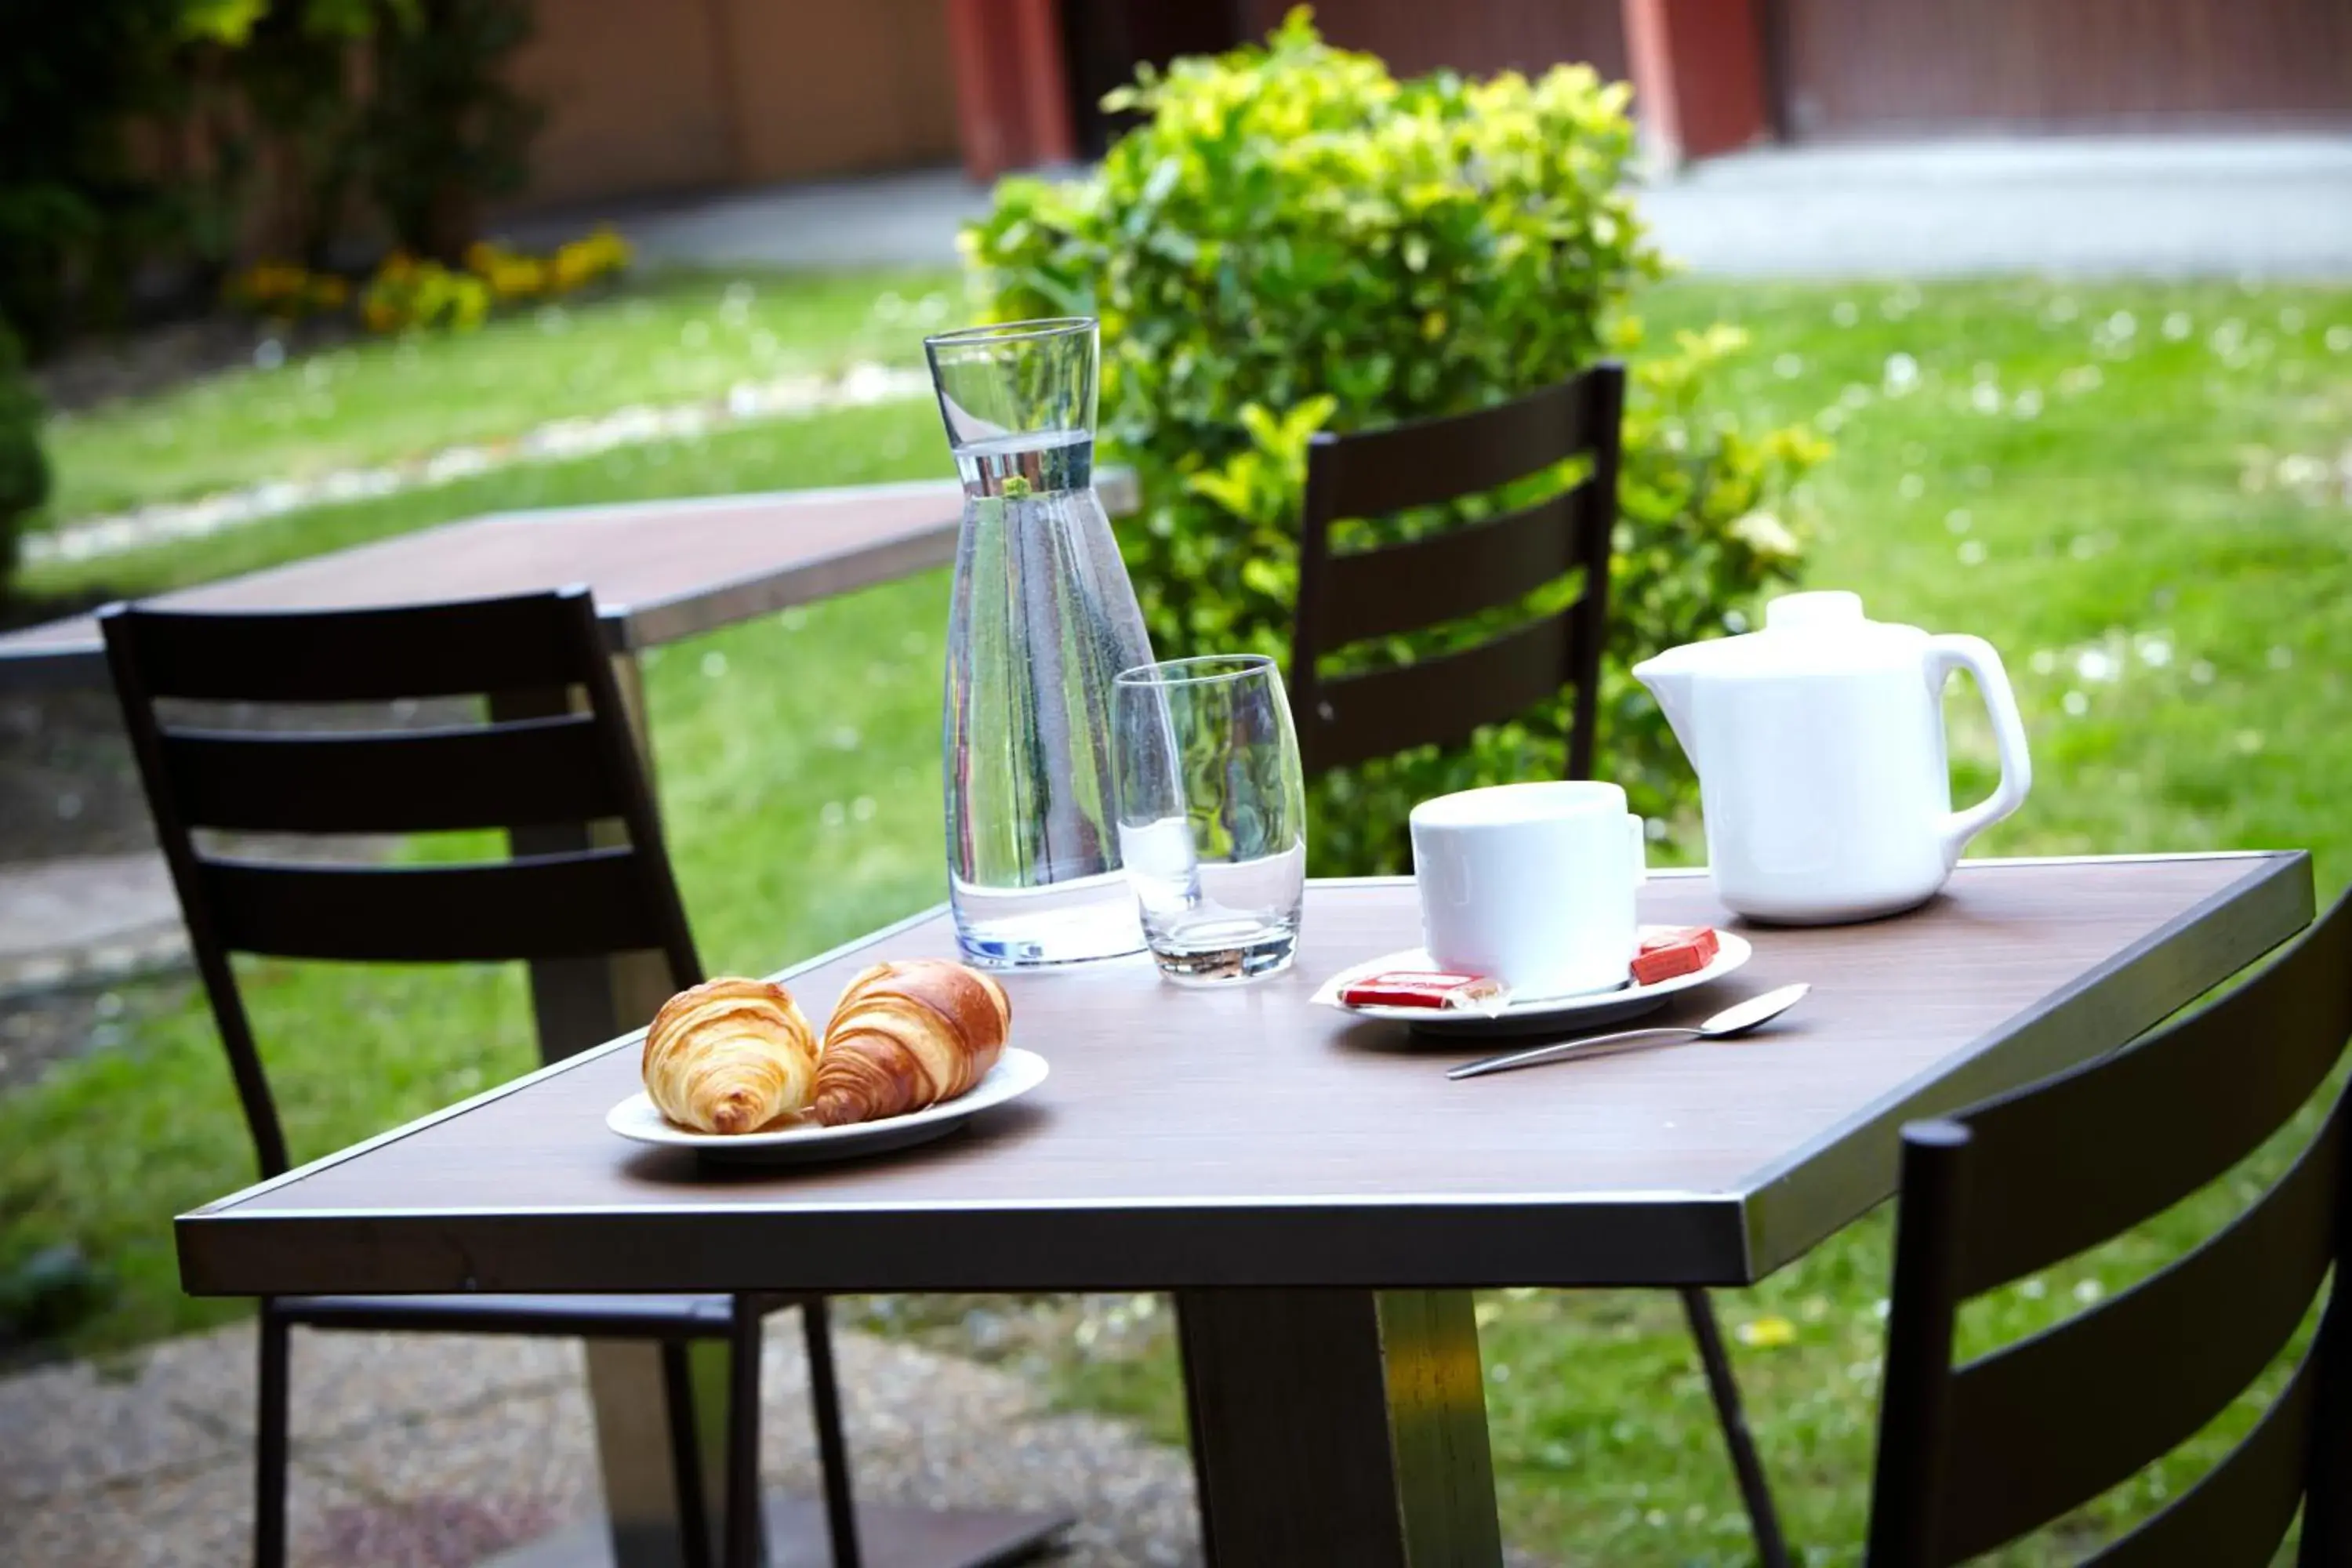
1192,1138
660,570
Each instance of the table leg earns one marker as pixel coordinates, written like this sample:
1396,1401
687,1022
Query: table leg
1340,1428
579,1002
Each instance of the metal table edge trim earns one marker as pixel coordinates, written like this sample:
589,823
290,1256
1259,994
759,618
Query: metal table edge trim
1789,1203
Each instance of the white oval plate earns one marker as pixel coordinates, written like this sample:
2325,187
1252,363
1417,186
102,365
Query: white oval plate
1532,1014
1016,1072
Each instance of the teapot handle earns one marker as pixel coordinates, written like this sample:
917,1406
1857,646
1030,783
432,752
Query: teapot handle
1946,653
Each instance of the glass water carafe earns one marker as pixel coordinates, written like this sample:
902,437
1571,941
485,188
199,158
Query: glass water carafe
1042,621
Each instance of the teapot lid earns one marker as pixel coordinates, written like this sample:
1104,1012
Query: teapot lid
1821,610
1818,633
1822,633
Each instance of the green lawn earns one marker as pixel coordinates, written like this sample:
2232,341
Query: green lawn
2138,508
673,338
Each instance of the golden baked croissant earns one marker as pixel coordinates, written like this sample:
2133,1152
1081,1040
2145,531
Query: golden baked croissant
906,1036
729,1056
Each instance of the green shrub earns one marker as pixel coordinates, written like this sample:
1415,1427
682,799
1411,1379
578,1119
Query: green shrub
288,103
24,473
446,133
1291,240
75,209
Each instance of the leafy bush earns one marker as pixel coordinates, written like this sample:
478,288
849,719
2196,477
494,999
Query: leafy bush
74,207
284,91
403,102
24,473
445,132
134,131
1291,240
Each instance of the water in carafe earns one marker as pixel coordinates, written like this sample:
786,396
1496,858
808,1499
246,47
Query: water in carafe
1043,620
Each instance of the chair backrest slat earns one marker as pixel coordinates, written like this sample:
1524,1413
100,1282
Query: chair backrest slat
546,906
2237,1514
1424,461
562,760
1435,700
2035,1427
499,775
1973,1456
2271,1045
1426,581
359,656
1430,581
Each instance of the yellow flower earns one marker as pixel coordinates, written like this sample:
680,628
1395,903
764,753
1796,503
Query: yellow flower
1769,1332
601,251
515,278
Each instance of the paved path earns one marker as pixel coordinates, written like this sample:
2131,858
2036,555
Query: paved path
2272,205
885,220
434,1452
85,919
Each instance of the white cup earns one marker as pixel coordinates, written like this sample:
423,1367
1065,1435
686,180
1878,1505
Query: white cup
1531,884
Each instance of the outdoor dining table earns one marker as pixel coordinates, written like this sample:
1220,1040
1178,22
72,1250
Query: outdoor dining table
1319,1197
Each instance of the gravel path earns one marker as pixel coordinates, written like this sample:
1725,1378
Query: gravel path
432,1452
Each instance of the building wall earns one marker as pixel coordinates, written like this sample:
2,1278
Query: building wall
1896,66
628,87
835,88
645,96
1477,37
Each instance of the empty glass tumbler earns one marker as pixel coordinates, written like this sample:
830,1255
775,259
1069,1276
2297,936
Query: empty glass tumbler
1043,620
1213,814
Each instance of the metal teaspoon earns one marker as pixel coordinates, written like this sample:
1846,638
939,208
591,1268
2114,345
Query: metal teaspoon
1736,1019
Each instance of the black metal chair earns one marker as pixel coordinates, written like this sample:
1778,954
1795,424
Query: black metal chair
1486,565
1973,1455
576,766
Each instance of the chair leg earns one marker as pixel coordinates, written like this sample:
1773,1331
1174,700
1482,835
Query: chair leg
270,1447
832,1442
1763,1518
746,1544
2327,1481
685,1453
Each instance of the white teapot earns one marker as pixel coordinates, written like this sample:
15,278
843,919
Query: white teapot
1819,743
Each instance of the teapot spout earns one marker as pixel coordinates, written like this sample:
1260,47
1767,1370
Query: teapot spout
1669,677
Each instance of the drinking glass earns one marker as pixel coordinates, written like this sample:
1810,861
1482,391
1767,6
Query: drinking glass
1211,814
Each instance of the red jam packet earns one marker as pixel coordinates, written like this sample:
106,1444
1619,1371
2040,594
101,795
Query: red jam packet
1422,989
1665,953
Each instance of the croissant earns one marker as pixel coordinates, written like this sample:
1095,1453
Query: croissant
906,1036
729,1056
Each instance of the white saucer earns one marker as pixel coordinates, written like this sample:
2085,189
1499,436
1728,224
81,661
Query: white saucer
1016,1072
1531,1015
